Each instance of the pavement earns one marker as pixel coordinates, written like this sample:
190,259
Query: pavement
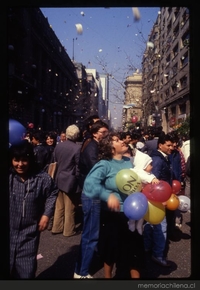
57,256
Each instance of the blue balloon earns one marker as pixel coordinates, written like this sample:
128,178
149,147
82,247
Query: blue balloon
16,132
135,206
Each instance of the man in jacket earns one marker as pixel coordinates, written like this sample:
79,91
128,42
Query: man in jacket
67,155
155,236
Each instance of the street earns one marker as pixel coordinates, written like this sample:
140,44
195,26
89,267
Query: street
58,256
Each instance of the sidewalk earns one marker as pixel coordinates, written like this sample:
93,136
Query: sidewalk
59,255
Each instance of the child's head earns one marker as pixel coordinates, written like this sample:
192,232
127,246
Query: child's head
148,167
146,163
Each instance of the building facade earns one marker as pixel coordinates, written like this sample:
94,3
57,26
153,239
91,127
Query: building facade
132,109
165,65
45,86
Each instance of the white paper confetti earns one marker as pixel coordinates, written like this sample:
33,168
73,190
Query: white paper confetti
136,13
39,256
79,28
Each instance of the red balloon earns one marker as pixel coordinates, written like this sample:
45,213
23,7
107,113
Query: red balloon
176,186
134,119
159,192
31,125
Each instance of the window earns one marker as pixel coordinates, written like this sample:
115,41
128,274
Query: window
175,68
175,50
185,39
182,108
175,32
184,59
174,88
183,82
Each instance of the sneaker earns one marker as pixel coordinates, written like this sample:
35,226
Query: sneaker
161,261
178,225
76,276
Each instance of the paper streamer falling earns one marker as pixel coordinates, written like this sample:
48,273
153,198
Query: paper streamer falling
79,28
150,44
39,256
136,13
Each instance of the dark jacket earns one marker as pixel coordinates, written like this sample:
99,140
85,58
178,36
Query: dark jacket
67,155
42,155
24,235
175,160
161,167
88,157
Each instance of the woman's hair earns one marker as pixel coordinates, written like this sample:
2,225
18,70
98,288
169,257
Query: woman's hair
23,150
53,136
106,146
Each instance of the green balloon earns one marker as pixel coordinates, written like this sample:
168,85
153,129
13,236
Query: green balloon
128,181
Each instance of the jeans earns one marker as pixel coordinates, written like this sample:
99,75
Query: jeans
155,237
90,234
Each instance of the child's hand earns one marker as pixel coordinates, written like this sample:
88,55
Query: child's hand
113,202
155,181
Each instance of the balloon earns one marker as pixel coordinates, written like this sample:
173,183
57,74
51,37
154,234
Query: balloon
128,181
134,119
173,202
135,206
16,132
176,186
31,125
159,192
184,203
155,212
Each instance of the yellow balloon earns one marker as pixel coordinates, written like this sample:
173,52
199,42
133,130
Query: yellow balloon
155,212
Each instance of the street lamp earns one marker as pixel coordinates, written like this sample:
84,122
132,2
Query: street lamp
73,49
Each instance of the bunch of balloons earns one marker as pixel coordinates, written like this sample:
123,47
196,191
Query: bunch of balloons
16,132
150,202
135,205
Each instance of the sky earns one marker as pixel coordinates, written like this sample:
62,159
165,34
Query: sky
110,40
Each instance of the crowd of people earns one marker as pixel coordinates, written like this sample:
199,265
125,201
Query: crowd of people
51,174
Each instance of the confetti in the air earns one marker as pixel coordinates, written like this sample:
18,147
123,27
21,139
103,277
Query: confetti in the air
136,13
82,13
79,28
150,44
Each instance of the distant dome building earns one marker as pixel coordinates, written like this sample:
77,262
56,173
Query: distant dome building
133,100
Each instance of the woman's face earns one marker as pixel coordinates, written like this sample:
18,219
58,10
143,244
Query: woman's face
20,165
49,141
119,146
